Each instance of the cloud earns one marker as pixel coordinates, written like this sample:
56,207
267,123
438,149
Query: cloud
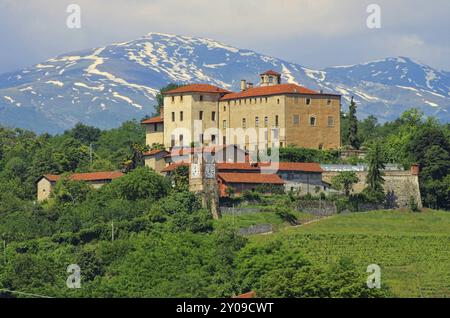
314,33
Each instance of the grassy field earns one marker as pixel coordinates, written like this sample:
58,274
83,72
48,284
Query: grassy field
413,249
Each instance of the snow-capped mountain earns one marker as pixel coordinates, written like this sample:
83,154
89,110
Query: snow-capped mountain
106,86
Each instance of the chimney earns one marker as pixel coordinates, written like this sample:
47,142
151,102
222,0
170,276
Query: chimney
415,170
243,85
249,85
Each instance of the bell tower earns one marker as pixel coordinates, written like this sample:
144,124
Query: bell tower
203,181
270,78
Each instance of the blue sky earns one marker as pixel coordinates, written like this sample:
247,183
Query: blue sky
313,33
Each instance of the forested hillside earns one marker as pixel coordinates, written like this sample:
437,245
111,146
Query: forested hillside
164,244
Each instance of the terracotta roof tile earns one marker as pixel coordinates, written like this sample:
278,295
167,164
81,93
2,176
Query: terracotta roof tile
294,166
237,166
271,90
90,176
174,166
154,120
250,178
271,72
197,88
153,152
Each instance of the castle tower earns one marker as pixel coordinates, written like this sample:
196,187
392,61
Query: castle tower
270,78
203,181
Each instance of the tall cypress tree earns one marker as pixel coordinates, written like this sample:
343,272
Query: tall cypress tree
353,126
375,179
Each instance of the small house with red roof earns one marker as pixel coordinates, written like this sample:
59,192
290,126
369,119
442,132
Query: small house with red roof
46,183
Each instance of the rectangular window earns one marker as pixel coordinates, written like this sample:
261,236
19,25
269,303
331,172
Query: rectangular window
173,116
173,99
213,116
312,121
224,124
224,108
181,140
330,121
181,116
266,121
181,98
201,98
308,101
296,120
200,115
276,121
213,139
244,123
224,142
275,133
256,121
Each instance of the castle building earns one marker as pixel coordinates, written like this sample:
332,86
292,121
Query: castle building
269,115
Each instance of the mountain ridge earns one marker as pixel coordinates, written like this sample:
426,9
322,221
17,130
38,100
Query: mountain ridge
107,85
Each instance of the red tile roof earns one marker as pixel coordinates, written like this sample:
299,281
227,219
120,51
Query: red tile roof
90,176
293,166
251,294
237,166
197,88
271,72
271,90
174,166
250,178
154,120
153,152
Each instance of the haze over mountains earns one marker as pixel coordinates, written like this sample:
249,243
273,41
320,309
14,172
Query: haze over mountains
105,86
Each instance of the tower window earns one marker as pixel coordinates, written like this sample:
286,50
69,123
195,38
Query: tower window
213,139
224,124
244,123
181,98
276,121
173,99
266,121
173,116
296,120
312,121
200,115
181,140
181,116
330,121
257,121
213,116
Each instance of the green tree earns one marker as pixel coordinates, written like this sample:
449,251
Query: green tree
141,183
375,178
353,126
85,134
345,181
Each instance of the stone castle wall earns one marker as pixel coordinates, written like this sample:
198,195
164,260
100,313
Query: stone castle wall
399,186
